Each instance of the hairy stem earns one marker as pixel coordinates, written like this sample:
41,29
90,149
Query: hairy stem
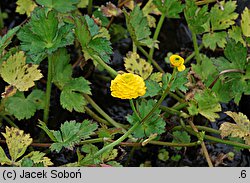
48,90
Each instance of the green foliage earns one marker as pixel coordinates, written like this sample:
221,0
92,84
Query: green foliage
163,155
236,34
245,25
153,88
155,124
178,83
172,8
71,133
212,40
206,103
17,73
59,5
92,45
138,28
196,17
6,39
223,18
44,34
181,137
26,107
236,80
71,96
206,70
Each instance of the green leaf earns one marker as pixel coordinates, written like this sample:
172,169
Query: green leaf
172,8
163,155
223,18
83,3
138,28
62,71
241,120
236,34
71,96
17,142
38,98
206,70
208,104
234,83
245,22
196,17
59,5
43,34
25,6
136,65
6,39
19,74
92,45
155,124
153,88
71,133
178,83
25,109
181,137
212,40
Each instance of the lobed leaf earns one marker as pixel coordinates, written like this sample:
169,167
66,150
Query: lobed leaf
71,133
59,5
136,65
245,22
25,6
19,74
17,142
171,8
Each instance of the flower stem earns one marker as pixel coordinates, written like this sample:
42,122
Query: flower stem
196,49
110,70
192,54
48,90
100,111
90,5
151,59
156,34
95,116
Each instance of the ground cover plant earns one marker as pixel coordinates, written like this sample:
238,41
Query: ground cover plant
99,83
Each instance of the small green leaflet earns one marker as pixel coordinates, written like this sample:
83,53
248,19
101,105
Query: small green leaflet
17,73
59,5
155,124
245,22
26,107
6,39
181,137
212,40
236,34
178,83
71,133
207,104
87,32
71,96
172,8
153,88
43,34
196,17
206,70
163,155
62,71
138,28
36,158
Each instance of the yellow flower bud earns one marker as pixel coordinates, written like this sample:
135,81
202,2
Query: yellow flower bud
177,61
127,86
